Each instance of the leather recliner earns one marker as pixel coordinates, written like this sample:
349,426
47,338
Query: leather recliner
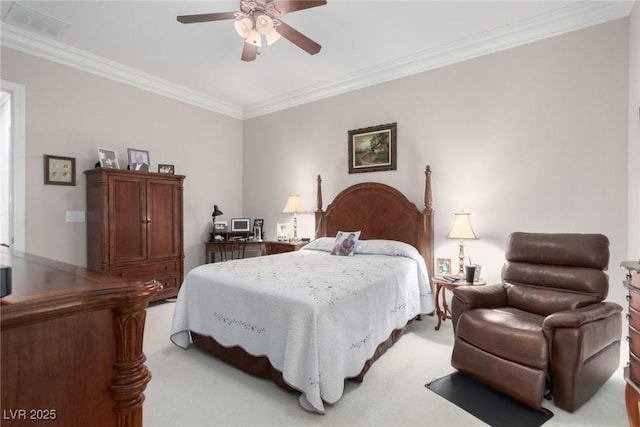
546,325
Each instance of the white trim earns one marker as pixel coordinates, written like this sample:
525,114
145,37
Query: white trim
18,126
34,44
564,20
570,18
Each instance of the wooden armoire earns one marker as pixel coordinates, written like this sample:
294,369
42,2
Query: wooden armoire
135,226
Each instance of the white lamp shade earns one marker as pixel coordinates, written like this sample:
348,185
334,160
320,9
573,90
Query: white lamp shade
272,37
254,38
294,205
264,24
462,228
243,27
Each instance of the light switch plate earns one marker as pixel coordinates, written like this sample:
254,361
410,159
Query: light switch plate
75,216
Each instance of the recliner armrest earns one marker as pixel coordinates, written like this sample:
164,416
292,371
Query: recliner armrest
580,316
472,296
468,297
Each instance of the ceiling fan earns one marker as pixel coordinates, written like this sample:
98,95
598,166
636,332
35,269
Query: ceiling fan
261,18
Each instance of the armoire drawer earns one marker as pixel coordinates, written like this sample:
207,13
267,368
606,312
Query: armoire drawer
158,268
634,341
633,316
634,299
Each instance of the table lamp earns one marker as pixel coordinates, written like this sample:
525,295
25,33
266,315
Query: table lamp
462,230
294,206
216,212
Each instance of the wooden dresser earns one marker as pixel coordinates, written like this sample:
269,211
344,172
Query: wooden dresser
135,226
632,370
71,345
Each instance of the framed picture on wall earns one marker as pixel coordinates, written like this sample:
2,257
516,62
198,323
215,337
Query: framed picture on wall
373,149
59,170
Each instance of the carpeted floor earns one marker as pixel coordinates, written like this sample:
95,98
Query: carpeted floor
486,404
190,388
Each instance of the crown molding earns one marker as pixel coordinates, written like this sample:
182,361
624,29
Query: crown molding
45,48
564,20
570,18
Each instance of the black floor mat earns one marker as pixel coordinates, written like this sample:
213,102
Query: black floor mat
486,404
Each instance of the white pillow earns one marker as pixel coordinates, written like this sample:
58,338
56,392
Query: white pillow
387,247
345,243
320,244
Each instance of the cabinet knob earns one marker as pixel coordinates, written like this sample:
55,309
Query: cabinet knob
628,316
628,338
627,297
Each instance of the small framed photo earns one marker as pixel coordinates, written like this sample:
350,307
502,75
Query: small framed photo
443,265
165,169
476,276
138,159
108,158
282,231
373,149
59,170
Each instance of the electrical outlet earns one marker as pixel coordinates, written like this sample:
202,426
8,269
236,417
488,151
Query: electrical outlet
75,216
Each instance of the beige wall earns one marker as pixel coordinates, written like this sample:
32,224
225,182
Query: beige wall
533,138
71,113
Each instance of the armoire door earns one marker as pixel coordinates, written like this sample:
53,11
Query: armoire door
127,219
164,219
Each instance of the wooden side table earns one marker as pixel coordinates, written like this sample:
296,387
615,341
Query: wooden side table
237,248
443,313
277,247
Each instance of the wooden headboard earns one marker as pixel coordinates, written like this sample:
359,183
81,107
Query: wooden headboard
380,212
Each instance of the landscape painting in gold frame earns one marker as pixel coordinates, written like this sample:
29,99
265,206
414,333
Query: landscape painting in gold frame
373,149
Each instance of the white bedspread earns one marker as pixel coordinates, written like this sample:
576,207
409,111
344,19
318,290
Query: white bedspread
317,317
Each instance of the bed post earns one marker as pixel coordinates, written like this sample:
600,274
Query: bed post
321,226
427,223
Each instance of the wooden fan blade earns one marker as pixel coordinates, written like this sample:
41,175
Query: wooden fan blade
287,6
206,17
249,52
297,38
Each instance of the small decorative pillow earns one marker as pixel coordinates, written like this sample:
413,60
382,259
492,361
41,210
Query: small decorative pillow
345,243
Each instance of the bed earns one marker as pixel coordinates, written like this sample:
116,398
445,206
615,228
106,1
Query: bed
310,320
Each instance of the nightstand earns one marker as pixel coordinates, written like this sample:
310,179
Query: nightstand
441,286
277,247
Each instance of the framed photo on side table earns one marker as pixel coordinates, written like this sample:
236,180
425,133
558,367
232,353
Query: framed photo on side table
282,231
373,149
443,266
59,170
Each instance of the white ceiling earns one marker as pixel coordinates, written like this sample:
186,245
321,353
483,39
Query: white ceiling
363,43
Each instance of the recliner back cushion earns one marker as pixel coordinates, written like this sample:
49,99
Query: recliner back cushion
577,250
545,301
573,279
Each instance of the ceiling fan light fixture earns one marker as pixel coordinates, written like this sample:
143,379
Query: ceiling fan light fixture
272,37
264,24
254,38
243,27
